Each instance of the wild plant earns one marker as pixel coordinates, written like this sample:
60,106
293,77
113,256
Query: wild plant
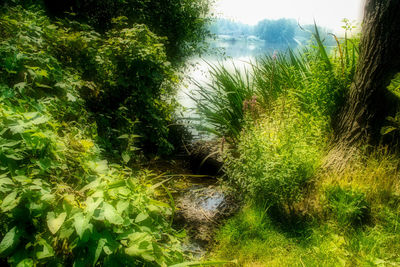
221,102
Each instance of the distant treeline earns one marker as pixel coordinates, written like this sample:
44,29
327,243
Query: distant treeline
273,31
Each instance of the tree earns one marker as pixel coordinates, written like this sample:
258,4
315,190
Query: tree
276,31
369,102
183,22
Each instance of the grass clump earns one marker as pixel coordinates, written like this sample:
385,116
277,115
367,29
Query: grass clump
349,207
222,101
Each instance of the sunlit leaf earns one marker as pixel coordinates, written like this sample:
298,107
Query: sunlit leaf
141,217
111,214
10,201
10,240
47,250
54,223
25,263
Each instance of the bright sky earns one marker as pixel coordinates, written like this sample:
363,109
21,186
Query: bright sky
328,13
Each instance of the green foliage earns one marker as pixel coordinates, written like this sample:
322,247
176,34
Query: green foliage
221,102
317,81
348,206
182,22
124,75
134,73
276,157
253,239
57,190
392,123
62,202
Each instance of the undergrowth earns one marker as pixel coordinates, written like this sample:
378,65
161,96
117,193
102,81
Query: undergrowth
71,101
298,213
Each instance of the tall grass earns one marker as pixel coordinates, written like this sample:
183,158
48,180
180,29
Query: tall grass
316,78
220,101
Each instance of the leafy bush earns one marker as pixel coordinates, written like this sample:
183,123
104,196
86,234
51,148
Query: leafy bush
182,22
276,158
62,203
135,77
125,77
348,206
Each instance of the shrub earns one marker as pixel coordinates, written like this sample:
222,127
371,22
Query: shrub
62,203
182,22
276,158
136,85
349,207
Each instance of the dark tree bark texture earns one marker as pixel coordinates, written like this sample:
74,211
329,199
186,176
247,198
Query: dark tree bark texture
369,102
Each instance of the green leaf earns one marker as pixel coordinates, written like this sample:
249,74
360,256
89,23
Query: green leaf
126,157
25,263
5,184
10,144
20,86
54,223
140,246
99,249
122,205
10,202
41,85
15,156
388,129
124,136
141,217
111,215
70,97
92,205
10,241
47,250
40,120
81,224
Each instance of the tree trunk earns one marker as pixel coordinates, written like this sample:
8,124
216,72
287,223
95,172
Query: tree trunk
369,102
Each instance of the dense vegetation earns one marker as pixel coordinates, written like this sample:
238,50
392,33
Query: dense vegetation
278,119
87,94
76,104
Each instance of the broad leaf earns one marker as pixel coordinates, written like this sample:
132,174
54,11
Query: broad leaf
47,250
81,224
141,217
54,223
9,241
25,263
111,215
10,202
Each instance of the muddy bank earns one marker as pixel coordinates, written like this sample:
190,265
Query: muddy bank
201,210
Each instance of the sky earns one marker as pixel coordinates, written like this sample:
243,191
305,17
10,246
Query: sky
328,13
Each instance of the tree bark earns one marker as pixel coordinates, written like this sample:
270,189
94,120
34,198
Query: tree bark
369,101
